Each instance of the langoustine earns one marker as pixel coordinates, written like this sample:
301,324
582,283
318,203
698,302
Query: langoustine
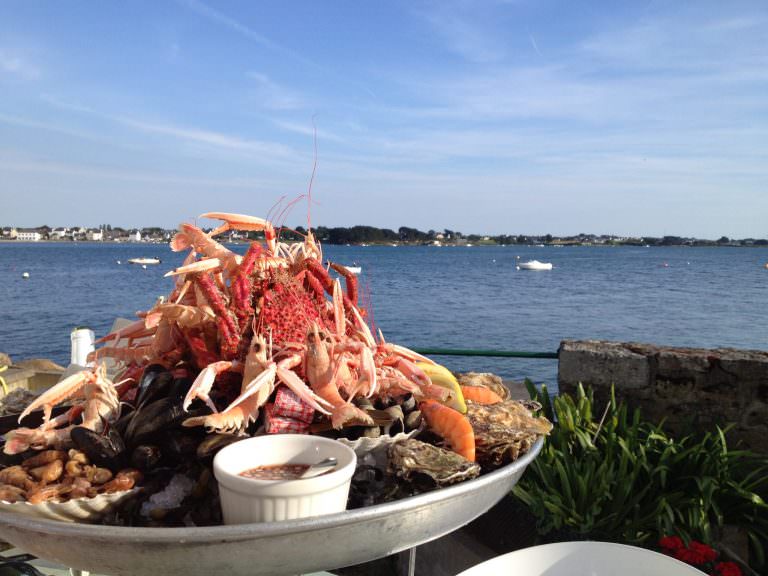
272,317
234,330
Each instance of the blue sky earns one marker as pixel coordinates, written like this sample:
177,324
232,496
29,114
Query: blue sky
499,117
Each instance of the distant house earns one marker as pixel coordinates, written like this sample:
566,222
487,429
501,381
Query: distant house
28,235
59,233
95,235
134,236
9,233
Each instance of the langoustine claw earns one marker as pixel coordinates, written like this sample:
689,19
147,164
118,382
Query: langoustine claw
100,404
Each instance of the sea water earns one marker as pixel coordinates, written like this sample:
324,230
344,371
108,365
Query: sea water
429,297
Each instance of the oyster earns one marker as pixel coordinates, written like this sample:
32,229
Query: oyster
504,431
418,462
485,379
15,401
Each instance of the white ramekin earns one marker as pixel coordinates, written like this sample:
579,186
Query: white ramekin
245,500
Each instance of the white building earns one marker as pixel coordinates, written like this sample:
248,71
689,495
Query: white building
95,235
28,236
59,233
134,235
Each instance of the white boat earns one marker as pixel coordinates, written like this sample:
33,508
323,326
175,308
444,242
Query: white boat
144,261
534,265
354,269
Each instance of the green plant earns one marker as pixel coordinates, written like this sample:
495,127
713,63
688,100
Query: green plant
610,475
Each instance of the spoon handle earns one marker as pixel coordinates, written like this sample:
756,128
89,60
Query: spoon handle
320,467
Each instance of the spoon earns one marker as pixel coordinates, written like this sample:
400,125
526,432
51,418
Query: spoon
319,468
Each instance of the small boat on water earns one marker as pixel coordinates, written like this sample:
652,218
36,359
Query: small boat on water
144,261
354,269
534,265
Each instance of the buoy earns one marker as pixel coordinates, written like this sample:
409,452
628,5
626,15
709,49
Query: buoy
144,266
119,262
25,275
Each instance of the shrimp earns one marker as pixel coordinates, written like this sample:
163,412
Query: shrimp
322,374
480,395
452,426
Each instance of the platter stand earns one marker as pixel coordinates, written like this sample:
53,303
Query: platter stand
281,548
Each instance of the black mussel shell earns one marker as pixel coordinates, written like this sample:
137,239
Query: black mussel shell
154,384
180,445
408,404
126,415
146,457
150,373
212,443
180,387
152,419
106,449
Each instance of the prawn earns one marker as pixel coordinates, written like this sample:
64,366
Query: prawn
480,395
452,426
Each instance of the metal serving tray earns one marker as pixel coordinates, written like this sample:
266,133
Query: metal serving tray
290,547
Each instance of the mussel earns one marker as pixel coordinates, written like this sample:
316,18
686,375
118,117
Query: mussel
105,449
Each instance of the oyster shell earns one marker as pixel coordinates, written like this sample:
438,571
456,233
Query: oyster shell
485,379
15,401
504,431
419,462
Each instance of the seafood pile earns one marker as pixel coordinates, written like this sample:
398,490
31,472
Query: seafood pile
60,475
263,343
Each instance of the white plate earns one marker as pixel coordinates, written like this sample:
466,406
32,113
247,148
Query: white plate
583,559
76,510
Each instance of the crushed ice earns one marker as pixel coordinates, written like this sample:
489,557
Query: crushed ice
178,488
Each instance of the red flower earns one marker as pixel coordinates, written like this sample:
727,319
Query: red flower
690,556
727,569
705,551
671,543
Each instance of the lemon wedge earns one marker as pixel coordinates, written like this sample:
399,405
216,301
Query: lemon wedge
441,376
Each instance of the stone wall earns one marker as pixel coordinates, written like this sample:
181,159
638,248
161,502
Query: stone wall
686,386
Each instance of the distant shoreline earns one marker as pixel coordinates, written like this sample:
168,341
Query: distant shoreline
480,244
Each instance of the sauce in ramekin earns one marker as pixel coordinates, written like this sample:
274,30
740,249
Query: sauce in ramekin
276,472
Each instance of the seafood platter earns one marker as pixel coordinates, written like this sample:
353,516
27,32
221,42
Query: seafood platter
117,477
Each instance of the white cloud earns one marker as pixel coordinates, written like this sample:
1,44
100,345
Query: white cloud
687,42
229,22
307,130
272,95
461,35
215,139
37,125
191,135
100,173
244,30
12,64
